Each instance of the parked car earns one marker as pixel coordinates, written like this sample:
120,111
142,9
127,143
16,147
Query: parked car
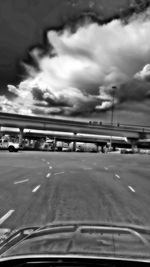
12,146
127,151
66,149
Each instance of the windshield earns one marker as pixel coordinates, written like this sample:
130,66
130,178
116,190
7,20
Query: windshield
75,131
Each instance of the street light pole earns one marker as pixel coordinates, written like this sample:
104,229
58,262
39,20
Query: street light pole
112,111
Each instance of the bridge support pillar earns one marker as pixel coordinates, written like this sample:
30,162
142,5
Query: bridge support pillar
102,148
21,136
97,147
54,143
74,144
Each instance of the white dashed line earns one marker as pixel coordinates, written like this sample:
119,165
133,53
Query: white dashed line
106,168
117,176
36,188
131,188
22,181
58,173
6,216
50,167
48,175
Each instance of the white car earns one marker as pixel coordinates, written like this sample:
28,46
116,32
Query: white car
66,149
11,146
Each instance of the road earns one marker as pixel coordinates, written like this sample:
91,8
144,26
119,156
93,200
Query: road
37,188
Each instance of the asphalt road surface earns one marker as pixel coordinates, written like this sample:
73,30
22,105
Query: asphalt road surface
37,188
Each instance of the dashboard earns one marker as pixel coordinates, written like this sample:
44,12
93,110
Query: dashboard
70,262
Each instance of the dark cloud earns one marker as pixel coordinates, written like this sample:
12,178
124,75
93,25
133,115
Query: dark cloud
134,90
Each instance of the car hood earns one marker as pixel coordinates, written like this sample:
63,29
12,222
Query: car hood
85,239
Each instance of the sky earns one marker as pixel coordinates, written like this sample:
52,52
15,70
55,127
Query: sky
68,59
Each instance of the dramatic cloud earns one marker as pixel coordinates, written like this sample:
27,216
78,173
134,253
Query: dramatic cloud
144,74
134,90
75,72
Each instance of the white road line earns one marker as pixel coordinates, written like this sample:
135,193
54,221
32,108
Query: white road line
58,173
117,176
48,175
36,188
6,216
50,167
131,188
22,181
106,168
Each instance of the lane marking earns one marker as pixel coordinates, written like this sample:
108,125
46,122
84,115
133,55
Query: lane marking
6,216
58,173
36,188
117,176
48,175
22,181
50,167
131,188
106,168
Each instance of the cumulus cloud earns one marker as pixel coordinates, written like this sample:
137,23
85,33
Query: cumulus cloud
75,72
144,74
12,89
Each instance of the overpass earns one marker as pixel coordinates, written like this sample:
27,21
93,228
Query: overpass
99,140
50,124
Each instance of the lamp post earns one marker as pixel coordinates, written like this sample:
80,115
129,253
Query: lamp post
112,110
